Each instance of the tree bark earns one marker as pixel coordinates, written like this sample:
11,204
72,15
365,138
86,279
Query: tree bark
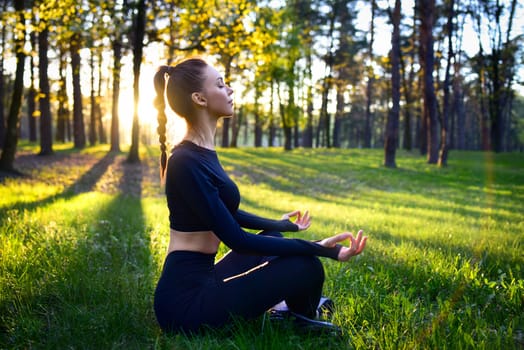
444,128
227,122
307,135
101,131
2,84
117,67
32,93
391,137
339,114
79,137
237,123
258,123
138,47
92,97
11,137
46,134
63,127
427,14
371,78
408,79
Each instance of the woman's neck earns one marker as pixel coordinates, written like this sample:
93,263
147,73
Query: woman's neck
202,135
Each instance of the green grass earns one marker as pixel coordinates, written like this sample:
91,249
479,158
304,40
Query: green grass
82,242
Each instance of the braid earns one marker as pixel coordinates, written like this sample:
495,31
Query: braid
160,105
184,78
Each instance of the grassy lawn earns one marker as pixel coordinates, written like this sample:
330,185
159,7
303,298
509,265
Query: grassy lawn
83,237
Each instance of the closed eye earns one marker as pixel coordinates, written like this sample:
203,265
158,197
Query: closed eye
220,83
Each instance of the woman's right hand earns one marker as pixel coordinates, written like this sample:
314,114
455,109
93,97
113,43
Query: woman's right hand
356,246
302,221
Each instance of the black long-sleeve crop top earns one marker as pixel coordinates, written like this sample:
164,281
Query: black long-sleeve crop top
201,197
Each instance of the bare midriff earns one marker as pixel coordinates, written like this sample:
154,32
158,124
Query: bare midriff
198,241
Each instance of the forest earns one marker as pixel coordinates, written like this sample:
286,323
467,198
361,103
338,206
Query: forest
401,118
425,75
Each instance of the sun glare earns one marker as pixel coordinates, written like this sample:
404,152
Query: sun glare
147,113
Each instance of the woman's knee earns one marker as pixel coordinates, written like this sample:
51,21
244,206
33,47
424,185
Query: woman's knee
310,266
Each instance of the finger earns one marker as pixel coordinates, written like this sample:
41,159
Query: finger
353,243
358,239
306,215
342,237
293,213
362,245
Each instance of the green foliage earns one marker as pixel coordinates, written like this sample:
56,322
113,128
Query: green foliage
81,252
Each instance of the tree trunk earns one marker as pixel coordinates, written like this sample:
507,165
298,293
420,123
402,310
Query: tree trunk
502,73
237,122
11,137
371,78
339,114
2,84
307,135
46,133
258,123
63,131
101,132
458,132
272,128
444,129
117,67
226,122
408,79
79,137
138,46
323,122
32,94
484,117
459,111
427,14
391,137
92,97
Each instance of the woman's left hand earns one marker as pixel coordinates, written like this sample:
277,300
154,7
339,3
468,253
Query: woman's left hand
302,221
356,247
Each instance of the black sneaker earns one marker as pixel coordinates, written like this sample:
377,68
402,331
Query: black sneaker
304,324
325,308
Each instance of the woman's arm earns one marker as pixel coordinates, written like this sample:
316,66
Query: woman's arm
196,189
251,221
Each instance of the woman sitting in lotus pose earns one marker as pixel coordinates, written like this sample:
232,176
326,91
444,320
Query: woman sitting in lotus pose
261,270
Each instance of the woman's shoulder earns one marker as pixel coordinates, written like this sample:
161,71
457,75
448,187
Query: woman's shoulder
187,154
189,148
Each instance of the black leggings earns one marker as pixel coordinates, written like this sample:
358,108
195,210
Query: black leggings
194,291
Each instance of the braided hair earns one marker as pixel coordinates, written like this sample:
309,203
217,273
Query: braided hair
160,105
183,79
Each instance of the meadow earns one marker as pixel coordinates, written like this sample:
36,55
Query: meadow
83,237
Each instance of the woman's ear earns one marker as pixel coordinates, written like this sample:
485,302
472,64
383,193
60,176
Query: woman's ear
199,99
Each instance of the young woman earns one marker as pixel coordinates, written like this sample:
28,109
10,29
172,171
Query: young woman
262,269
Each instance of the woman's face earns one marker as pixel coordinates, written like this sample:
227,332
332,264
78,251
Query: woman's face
217,94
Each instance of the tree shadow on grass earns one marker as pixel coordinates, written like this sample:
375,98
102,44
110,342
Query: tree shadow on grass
84,183
324,177
98,289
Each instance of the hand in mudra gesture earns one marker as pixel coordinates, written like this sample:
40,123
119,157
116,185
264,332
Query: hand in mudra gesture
302,221
357,244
